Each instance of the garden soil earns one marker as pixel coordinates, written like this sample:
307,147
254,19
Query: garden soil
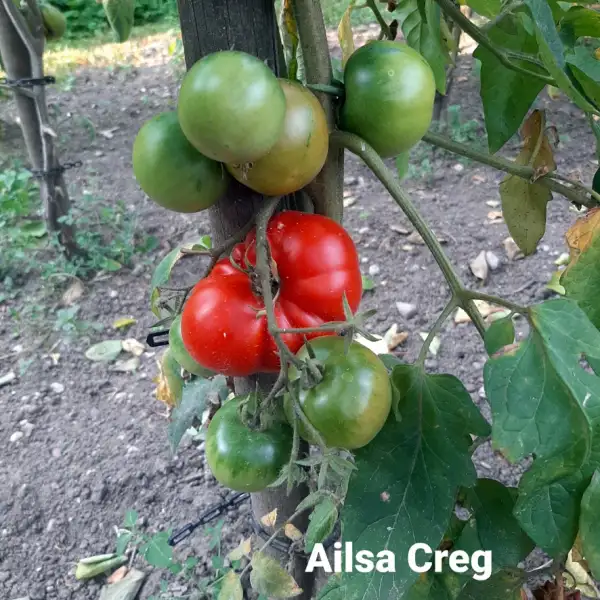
94,441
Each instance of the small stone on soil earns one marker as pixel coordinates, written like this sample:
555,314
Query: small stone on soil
16,436
57,387
406,309
492,260
374,270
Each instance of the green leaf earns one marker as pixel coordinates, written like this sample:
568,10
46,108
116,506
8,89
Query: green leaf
123,541
552,51
524,208
321,523
506,95
131,517
579,22
499,334
492,505
406,481
581,281
119,14
269,578
589,525
231,589
36,229
486,8
162,273
424,36
193,403
108,264
157,551
106,351
367,283
504,585
585,68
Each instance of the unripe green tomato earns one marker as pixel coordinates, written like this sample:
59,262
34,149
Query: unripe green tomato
390,91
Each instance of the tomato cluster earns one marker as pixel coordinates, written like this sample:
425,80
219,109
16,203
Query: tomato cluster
236,119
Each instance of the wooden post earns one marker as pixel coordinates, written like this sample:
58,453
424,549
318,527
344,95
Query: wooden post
248,25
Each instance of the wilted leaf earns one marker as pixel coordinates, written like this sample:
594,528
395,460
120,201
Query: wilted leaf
484,308
434,347
524,203
126,366
126,589
73,293
393,338
169,383
379,347
231,588
345,35
292,532
513,251
578,578
243,549
106,351
581,279
289,34
123,322
134,347
88,570
479,266
270,579
322,520
118,575
270,519
495,216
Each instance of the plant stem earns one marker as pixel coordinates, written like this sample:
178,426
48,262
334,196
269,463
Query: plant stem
312,432
452,304
453,11
385,28
511,167
332,90
359,147
472,295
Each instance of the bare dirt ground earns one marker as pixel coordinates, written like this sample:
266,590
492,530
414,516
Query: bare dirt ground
96,445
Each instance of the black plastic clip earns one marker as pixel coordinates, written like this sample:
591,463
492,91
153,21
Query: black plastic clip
152,340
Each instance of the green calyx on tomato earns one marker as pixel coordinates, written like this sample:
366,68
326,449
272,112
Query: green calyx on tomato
351,403
171,171
242,459
231,107
224,325
181,355
300,152
390,91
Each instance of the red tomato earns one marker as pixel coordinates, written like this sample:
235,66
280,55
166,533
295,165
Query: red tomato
223,324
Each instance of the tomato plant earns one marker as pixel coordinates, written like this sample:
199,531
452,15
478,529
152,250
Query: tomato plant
351,403
224,325
300,151
171,171
231,107
390,91
242,459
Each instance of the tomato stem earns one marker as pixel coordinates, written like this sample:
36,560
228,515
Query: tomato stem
385,28
452,304
550,180
358,146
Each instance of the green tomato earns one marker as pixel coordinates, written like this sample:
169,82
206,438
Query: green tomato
390,91
171,171
181,355
231,107
350,405
240,458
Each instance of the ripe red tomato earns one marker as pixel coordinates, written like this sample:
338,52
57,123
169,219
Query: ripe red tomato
224,327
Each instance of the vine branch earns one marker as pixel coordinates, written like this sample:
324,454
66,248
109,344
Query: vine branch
549,181
454,12
359,147
385,28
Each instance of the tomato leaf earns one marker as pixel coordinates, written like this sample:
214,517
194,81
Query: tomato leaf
421,462
422,32
581,279
552,51
269,578
585,68
504,585
499,334
492,506
506,94
486,8
579,22
162,273
157,551
589,525
193,402
524,203
36,229
289,35
231,588
119,14
321,523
